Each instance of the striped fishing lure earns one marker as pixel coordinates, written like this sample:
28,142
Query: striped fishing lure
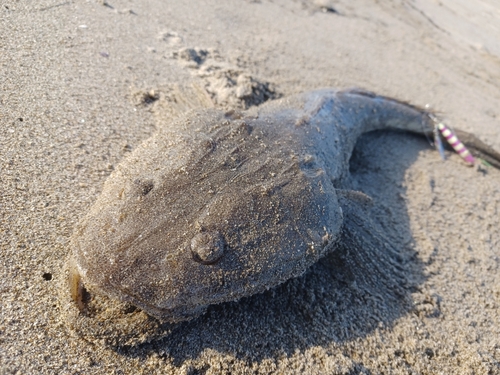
457,145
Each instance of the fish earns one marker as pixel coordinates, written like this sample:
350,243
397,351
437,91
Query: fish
223,204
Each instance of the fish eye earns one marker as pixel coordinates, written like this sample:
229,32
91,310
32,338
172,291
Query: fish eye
143,186
207,247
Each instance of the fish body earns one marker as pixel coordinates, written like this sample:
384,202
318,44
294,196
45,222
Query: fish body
220,205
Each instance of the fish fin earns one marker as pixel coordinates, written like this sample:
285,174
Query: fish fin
479,149
374,264
439,143
348,196
370,94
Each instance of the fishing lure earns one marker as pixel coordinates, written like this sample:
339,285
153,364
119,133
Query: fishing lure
454,142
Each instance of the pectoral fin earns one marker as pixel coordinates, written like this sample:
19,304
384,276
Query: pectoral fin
374,263
346,197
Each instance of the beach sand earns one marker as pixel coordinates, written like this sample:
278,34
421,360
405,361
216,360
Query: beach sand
84,82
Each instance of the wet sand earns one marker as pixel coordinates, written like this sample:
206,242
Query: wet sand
84,82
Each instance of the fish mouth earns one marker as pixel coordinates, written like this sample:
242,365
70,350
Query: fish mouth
174,314
94,273
82,298
85,279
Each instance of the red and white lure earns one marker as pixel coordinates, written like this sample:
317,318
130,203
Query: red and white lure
454,142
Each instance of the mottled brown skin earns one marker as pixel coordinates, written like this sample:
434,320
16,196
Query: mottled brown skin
221,205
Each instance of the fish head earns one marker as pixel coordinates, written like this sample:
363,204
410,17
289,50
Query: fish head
216,210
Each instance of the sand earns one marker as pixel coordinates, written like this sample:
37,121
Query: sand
84,82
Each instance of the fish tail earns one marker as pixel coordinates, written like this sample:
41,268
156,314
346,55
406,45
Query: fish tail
479,149
381,112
